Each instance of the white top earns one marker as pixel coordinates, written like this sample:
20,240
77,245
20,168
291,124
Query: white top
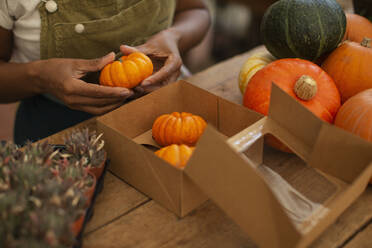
22,17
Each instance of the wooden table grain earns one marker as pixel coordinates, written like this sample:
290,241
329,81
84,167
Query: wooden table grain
125,217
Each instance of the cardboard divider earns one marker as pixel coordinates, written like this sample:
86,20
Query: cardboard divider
264,204
128,132
240,191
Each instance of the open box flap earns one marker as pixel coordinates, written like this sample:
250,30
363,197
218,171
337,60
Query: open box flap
232,182
296,121
320,144
245,195
340,153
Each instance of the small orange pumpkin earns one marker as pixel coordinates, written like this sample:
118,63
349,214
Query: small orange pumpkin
178,128
128,71
350,67
176,155
301,79
357,28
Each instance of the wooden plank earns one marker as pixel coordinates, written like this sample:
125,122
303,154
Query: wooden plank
116,199
362,239
349,223
153,226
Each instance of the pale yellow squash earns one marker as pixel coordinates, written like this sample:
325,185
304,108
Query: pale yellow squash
252,65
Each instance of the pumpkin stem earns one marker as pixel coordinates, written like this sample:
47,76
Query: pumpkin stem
305,88
366,42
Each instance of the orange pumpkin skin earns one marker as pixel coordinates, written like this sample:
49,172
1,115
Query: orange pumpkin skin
357,28
355,115
178,128
285,73
127,72
176,155
350,67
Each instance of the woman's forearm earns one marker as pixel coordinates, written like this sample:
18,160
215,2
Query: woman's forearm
190,26
18,81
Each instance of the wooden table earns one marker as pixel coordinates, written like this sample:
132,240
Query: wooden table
125,217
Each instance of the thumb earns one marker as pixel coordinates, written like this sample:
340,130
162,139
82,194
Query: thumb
95,64
126,50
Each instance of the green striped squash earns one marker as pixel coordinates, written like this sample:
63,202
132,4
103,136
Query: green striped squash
303,28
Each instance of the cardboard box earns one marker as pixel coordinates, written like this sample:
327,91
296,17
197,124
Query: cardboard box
127,128
273,212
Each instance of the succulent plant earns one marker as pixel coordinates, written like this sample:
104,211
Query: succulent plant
39,153
68,168
13,209
86,146
42,190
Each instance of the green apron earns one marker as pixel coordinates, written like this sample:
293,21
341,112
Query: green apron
85,29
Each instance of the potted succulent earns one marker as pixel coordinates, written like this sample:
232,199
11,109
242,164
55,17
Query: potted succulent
13,209
65,197
88,148
44,192
68,168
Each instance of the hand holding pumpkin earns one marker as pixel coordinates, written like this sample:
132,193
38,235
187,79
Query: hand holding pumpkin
163,50
61,78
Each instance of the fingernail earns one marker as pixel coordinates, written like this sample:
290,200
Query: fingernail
109,55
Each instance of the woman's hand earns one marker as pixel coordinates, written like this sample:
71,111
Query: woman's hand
61,78
191,23
163,50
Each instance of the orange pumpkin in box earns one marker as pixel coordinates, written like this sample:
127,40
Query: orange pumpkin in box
176,155
178,128
128,71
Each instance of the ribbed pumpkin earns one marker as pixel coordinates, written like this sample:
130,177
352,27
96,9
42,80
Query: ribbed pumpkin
253,64
350,66
301,79
178,128
303,28
355,115
127,72
176,155
358,27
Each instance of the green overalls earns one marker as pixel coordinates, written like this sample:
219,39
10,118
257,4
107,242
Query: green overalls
85,29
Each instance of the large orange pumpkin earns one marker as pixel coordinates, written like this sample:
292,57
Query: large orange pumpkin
127,72
350,67
178,128
355,115
357,28
301,79
176,155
